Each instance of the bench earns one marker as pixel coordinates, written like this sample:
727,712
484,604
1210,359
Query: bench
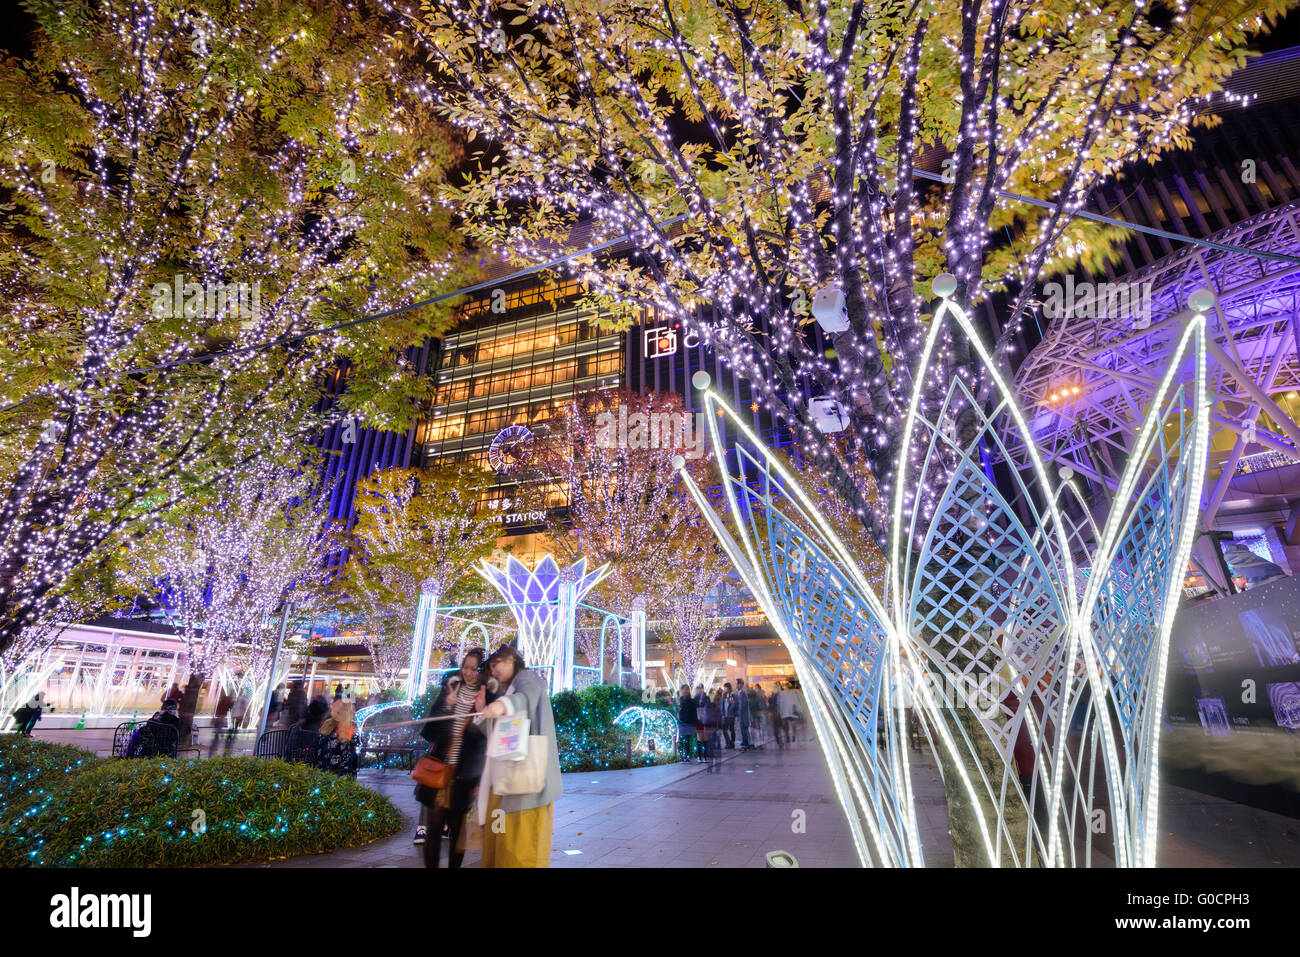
409,753
152,739
303,747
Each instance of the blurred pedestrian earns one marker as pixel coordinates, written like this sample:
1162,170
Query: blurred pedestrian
758,714
713,729
276,705
27,716
686,716
322,701
317,710
240,710
788,703
220,717
523,838
742,715
730,711
774,711
701,712
295,704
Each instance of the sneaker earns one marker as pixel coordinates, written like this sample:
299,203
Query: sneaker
421,835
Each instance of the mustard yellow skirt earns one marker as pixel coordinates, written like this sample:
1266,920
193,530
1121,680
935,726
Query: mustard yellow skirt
521,839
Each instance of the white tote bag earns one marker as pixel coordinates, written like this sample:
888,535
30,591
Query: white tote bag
508,741
509,772
523,777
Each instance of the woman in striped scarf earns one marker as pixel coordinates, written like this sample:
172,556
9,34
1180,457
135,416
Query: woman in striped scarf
462,745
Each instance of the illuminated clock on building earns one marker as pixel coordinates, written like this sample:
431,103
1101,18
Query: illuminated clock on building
509,448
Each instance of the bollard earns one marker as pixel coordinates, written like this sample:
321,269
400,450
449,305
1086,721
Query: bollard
627,744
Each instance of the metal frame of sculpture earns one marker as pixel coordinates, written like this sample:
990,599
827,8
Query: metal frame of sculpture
1036,625
545,603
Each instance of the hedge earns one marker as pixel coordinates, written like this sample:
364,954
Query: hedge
587,737
28,765
142,813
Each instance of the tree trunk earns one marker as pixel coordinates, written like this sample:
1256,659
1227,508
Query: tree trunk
189,704
967,844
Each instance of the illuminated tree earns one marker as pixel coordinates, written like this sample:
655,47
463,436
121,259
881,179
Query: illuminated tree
756,154
689,615
610,454
416,530
222,567
191,184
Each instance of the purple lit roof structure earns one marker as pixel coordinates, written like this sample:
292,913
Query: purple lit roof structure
1086,383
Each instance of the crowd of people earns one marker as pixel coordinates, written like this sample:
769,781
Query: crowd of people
289,708
708,723
470,806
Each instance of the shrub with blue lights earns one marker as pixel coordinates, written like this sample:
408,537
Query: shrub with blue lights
28,765
165,812
589,740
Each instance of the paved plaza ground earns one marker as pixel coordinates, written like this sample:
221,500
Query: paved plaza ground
682,815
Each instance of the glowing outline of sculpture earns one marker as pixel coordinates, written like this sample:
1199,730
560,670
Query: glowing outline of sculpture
1140,784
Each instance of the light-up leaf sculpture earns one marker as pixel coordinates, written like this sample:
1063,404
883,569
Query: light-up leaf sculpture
534,600
1037,621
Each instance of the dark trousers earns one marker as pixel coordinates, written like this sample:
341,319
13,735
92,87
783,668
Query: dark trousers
777,729
744,731
221,734
25,729
729,731
685,743
454,818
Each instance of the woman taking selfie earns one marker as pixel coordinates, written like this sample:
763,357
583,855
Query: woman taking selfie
460,745
517,826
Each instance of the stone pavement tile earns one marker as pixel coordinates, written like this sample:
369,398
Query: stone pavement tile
623,858
678,816
690,860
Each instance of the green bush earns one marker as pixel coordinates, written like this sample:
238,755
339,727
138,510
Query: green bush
141,813
587,736
29,765
584,727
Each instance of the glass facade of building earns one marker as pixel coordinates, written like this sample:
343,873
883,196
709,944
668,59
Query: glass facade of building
516,357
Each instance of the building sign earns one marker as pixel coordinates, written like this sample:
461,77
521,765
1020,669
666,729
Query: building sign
523,518
660,341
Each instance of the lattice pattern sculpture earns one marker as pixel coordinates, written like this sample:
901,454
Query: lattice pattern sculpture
534,598
1039,626
837,633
